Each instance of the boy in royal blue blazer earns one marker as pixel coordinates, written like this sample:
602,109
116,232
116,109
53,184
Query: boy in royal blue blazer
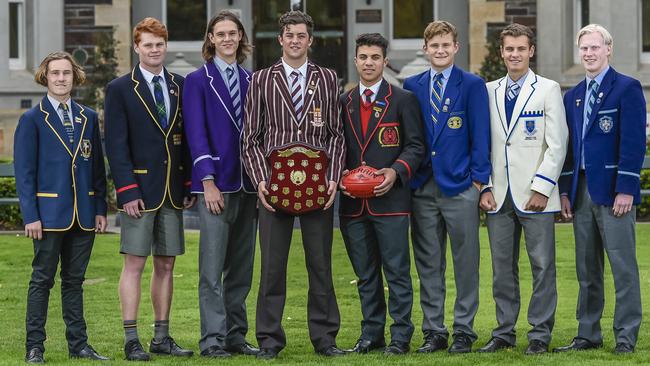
455,111
600,186
61,184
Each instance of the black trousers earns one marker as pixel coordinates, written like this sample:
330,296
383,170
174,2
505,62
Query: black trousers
322,311
73,247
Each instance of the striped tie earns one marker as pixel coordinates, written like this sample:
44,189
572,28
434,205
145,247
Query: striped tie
234,94
160,101
593,87
368,100
436,97
67,123
513,91
296,94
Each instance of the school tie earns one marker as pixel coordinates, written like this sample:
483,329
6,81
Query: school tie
513,91
593,87
368,97
67,123
436,97
160,102
296,93
234,94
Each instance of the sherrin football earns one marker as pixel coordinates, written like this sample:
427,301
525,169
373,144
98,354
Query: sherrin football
361,182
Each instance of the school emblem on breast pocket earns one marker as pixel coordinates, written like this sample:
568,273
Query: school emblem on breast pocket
454,122
605,123
85,148
389,136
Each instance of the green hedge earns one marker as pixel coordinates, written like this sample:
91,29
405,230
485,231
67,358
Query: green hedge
10,218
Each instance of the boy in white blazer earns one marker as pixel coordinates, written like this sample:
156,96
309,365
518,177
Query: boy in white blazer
529,141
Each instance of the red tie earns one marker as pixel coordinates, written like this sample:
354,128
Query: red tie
368,93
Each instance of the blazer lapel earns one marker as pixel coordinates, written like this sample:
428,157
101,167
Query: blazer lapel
174,94
499,97
449,98
313,80
579,109
603,91
423,96
220,90
52,119
527,91
142,91
280,83
79,122
353,114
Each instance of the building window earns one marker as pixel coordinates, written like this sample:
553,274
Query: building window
580,19
645,31
186,21
408,18
16,34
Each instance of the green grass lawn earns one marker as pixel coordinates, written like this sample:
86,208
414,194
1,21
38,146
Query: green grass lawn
105,325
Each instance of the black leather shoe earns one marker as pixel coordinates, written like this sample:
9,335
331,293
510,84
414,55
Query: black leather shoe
494,345
215,352
432,343
623,348
169,347
331,351
397,348
267,354
462,344
34,355
134,351
365,346
578,344
536,347
89,353
243,349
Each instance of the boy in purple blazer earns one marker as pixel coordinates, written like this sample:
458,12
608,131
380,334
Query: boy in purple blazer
212,106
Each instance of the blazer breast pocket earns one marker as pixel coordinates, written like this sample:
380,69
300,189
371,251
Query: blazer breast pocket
606,121
388,134
316,114
456,123
532,131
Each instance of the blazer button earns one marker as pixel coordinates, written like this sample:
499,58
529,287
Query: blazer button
74,166
164,162
433,153
507,144
299,132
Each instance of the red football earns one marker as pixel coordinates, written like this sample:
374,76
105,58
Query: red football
361,182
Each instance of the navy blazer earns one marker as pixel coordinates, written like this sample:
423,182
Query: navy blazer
614,142
213,135
58,182
147,162
458,147
393,140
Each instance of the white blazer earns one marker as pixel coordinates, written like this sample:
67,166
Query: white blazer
528,154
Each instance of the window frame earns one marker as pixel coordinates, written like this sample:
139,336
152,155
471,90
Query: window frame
405,43
644,57
577,25
19,63
185,46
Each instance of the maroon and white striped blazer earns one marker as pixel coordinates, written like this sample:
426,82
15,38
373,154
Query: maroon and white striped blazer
270,120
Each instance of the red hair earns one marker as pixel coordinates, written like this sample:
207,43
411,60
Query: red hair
149,25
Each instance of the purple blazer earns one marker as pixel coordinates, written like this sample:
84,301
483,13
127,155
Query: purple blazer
212,133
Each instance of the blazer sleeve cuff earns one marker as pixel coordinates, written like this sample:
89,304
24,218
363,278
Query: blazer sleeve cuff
128,193
628,183
543,185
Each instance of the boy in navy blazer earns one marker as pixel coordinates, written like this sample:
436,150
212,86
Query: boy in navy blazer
213,100
600,186
61,184
455,111
150,164
383,130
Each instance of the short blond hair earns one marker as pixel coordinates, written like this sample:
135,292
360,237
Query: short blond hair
595,28
79,76
440,28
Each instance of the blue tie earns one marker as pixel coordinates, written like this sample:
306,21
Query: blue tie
593,87
67,123
436,97
160,102
513,91
234,94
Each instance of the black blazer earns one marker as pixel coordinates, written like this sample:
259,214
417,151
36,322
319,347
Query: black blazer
393,139
147,162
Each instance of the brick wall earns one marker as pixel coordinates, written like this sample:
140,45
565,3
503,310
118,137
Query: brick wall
517,11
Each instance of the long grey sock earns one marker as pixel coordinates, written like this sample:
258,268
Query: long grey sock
161,330
130,330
